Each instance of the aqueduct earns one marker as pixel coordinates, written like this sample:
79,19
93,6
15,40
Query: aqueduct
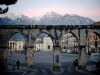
30,32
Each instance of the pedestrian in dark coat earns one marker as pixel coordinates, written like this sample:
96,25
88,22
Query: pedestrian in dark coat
14,64
18,63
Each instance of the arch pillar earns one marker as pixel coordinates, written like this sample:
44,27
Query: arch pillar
3,58
30,58
56,58
82,58
30,52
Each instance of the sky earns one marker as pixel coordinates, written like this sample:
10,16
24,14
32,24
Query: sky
34,8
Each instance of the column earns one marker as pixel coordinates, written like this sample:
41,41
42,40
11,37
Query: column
30,58
56,58
3,59
82,58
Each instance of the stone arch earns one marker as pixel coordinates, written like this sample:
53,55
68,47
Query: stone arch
75,35
94,31
17,32
7,37
47,34
14,32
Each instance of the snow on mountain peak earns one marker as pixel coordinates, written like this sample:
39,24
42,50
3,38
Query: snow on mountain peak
51,13
37,18
12,16
51,18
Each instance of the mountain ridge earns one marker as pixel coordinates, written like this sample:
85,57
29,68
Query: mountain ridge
50,18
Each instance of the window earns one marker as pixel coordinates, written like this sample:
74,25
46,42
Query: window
48,46
98,42
87,43
10,43
94,36
13,43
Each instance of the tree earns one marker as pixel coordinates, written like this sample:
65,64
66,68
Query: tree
6,2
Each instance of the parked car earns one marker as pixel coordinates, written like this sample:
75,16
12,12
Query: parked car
64,50
95,57
69,51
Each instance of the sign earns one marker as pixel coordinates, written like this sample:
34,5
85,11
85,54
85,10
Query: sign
57,58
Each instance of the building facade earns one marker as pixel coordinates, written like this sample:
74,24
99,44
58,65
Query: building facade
93,43
69,42
38,45
44,44
16,45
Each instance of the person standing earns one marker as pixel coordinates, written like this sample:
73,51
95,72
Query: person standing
18,63
11,52
14,64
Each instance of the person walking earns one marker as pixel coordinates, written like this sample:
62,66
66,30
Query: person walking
14,64
18,63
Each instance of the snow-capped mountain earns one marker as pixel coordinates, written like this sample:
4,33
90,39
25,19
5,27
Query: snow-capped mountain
12,18
50,18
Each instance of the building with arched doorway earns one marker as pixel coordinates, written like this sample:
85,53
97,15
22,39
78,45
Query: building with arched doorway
44,44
